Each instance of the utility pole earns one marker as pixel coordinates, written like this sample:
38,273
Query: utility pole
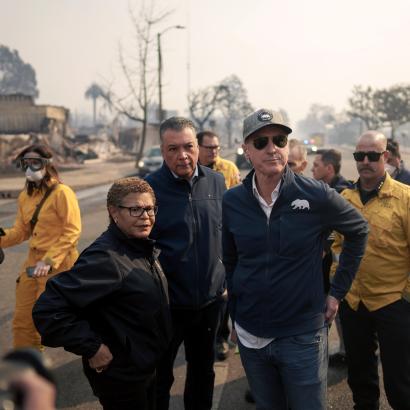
160,110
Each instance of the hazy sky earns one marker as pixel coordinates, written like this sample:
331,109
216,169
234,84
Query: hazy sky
288,53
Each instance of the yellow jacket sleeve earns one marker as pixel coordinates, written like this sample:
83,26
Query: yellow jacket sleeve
20,231
406,291
68,213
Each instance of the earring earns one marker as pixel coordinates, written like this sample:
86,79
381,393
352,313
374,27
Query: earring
115,220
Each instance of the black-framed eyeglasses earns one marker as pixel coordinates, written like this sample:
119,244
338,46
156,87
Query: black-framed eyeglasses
372,156
35,163
211,147
261,142
137,211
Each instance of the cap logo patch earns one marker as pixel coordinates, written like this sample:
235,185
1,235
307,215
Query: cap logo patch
264,116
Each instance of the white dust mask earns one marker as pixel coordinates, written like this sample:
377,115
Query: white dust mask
35,176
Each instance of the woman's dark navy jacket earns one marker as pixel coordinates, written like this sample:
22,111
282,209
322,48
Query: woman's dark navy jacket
274,270
116,294
188,231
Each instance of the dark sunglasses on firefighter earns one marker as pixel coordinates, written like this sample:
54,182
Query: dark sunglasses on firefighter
372,156
35,163
261,142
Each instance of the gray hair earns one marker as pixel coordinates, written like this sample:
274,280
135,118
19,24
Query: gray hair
176,124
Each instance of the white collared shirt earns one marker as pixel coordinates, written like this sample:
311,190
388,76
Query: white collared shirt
267,208
248,339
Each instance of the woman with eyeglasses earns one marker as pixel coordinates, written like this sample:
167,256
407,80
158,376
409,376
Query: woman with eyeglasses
112,306
53,232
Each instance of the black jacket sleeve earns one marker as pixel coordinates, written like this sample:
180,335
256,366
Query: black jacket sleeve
60,313
342,217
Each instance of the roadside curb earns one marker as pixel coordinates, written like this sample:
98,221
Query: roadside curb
98,174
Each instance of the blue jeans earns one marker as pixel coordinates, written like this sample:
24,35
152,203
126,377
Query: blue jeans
290,372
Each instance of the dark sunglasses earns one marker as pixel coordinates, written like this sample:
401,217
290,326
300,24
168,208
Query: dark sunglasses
372,156
261,142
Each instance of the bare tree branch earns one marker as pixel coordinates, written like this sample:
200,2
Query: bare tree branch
137,68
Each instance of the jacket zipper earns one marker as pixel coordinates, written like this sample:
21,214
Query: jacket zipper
150,262
156,269
194,232
267,249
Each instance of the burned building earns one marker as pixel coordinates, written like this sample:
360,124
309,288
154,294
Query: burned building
23,122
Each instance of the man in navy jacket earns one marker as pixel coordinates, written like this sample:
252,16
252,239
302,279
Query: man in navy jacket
395,165
188,232
274,227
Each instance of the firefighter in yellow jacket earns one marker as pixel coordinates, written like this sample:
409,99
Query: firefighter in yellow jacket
52,239
376,312
209,149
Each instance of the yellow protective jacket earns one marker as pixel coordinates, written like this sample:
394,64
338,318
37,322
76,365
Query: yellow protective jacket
58,227
229,170
383,275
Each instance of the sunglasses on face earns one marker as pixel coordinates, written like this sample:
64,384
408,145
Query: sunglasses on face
278,140
36,164
372,156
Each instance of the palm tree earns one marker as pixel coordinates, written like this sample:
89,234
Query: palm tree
94,91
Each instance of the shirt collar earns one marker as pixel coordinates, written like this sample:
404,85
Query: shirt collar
195,175
274,193
366,196
375,190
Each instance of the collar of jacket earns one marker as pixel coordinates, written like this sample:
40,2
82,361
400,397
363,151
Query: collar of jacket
387,190
339,182
144,247
287,186
166,172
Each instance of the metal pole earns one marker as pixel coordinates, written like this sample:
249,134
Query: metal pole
188,45
160,110
160,113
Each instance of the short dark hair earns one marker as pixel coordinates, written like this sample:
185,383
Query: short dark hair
176,124
124,186
331,156
393,147
51,172
207,133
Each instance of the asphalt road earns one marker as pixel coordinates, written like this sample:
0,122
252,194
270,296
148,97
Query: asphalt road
74,392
